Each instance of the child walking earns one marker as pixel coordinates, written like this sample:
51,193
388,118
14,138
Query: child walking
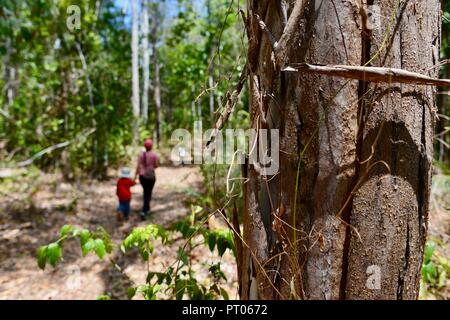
124,185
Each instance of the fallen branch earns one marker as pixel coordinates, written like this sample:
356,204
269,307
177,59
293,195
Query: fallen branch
229,107
5,114
9,173
53,148
372,74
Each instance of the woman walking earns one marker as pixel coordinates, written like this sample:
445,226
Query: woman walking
147,163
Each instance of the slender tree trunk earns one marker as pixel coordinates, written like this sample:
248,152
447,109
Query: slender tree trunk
135,71
211,69
10,79
157,80
211,86
91,105
193,105
10,90
146,60
157,94
355,157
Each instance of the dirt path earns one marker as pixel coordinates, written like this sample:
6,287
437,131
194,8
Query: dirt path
25,225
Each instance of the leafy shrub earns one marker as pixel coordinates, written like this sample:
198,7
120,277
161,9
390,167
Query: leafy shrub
178,280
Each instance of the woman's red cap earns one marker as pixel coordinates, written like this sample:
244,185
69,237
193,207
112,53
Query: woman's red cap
148,144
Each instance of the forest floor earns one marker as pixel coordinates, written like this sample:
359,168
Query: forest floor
29,222
35,207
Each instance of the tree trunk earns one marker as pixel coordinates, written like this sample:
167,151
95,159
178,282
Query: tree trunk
146,61
157,95
135,71
157,80
355,157
10,84
10,90
211,67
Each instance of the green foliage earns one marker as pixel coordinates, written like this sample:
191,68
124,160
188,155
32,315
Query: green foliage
57,98
51,98
435,269
195,42
175,281
98,242
142,238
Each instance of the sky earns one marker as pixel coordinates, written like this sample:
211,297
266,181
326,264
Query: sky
171,7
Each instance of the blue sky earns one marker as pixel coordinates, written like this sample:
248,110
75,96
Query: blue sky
171,7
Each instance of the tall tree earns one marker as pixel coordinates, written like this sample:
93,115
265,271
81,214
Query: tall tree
346,216
211,62
135,69
145,60
157,81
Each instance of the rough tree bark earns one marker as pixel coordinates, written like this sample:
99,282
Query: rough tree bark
355,156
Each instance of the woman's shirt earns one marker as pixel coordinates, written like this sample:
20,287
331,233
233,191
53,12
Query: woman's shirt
151,161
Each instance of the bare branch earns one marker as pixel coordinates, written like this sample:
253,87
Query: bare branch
86,73
289,33
372,74
5,114
228,109
269,34
52,148
284,11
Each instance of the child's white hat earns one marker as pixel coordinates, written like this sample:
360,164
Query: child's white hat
125,172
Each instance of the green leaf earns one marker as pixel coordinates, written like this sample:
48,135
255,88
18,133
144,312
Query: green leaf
53,253
42,257
215,288
107,241
85,235
182,255
88,247
104,297
180,287
151,246
211,241
152,291
131,292
221,245
66,229
100,249
144,252
224,294
429,250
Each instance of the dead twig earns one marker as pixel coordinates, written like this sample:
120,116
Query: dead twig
372,74
53,148
229,107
